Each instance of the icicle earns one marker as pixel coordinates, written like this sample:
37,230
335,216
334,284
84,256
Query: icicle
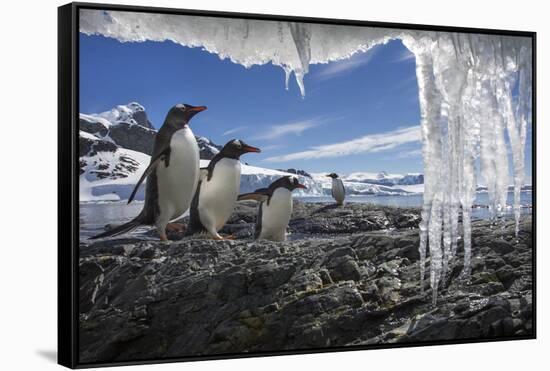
288,71
301,34
436,257
299,76
430,107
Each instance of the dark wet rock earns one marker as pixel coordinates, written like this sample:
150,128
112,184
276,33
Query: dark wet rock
320,218
90,147
134,137
143,299
323,220
93,127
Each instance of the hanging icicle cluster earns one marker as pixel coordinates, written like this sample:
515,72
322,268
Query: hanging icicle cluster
474,89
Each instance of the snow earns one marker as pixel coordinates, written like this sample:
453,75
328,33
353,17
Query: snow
253,177
94,118
467,85
120,113
360,176
206,143
93,188
87,135
247,170
368,184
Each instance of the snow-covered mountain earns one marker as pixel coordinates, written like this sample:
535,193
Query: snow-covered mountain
383,178
129,127
381,184
132,113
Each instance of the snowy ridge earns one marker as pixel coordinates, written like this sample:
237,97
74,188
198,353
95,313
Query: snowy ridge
132,113
383,178
95,119
381,184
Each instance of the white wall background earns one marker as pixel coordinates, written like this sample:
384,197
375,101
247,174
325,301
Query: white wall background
28,125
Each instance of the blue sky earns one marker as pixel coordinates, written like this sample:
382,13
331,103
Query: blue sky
369,102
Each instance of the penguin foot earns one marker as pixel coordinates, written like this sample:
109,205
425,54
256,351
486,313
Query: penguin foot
218,237
163,237
175,227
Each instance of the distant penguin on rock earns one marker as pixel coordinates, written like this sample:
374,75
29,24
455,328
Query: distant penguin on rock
338,190
172,175
218,189
275,208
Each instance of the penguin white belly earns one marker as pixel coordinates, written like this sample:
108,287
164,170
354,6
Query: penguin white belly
217,196
177,182
338,191
276,215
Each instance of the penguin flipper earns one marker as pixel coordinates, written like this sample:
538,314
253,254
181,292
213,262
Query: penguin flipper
152,166
259,195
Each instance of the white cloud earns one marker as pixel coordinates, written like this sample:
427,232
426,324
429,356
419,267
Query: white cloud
271,146
296,128
234,130
366,144
409,154
337,68
405,55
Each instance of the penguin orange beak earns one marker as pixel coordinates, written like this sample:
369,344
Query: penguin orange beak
198,108
301,186
252,149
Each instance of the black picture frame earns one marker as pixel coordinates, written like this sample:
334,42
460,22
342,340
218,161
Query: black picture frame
68,174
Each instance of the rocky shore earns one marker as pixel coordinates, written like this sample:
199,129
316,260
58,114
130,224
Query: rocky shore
347,276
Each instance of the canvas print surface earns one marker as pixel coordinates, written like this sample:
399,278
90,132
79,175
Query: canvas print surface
253,186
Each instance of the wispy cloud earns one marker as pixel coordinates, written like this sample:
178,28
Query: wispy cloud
366,144
338,68
408,154
405,55
234,130
271,146
295,128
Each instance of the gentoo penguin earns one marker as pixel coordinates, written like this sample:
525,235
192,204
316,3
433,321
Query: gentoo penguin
338,190
218,189
275,208
172,174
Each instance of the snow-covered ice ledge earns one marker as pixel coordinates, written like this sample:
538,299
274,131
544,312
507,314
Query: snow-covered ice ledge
474,89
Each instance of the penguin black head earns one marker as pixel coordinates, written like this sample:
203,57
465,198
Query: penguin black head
235,148
181,114
289,182
333,175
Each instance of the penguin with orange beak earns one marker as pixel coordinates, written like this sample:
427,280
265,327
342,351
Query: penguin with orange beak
172,175
218,188
275,207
